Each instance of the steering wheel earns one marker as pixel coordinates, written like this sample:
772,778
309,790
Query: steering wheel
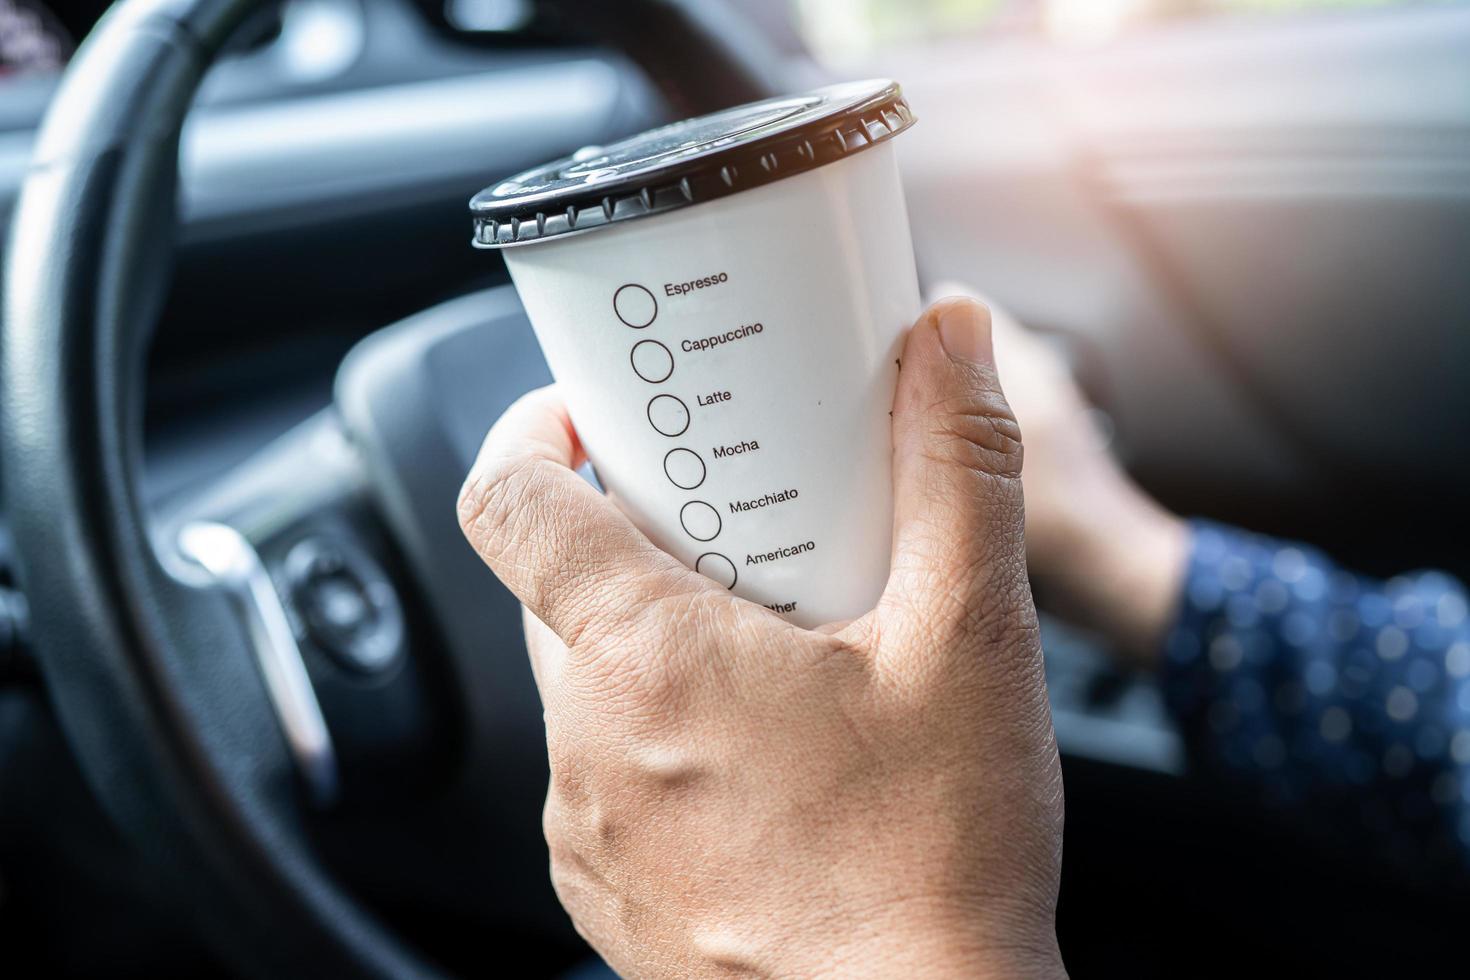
177,672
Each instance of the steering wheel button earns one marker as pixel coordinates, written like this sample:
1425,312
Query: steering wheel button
346,604
340,604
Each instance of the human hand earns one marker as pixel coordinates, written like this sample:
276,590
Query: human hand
1101,551
731,794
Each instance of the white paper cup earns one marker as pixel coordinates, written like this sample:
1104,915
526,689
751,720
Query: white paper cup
730,366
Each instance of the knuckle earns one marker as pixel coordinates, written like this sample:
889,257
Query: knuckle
578,866
570,881
566,865
562,876
978,431
551,823
569,785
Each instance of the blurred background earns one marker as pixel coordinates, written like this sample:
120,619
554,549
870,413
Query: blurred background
838,30
1246,223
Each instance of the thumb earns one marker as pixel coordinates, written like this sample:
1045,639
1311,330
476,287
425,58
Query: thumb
959,520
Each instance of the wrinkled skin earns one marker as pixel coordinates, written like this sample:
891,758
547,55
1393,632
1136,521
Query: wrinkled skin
734,796
1104,553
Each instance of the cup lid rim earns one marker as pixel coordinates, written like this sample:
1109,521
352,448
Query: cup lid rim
689,162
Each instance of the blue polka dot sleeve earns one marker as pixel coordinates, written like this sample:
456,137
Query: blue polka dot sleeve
1324,689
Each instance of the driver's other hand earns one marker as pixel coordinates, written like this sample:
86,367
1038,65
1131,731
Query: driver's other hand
733,795
1103,553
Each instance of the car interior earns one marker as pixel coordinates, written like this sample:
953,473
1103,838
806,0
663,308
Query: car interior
1245,224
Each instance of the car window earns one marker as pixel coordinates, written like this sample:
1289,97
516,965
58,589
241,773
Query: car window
846,30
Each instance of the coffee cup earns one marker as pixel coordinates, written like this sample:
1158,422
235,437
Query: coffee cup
722,302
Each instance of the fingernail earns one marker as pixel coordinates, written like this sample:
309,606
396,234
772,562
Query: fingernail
964,330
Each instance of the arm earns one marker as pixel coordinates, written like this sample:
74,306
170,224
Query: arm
1313,686
1327,690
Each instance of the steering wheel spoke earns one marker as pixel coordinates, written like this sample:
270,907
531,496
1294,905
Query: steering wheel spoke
353,670
236,566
